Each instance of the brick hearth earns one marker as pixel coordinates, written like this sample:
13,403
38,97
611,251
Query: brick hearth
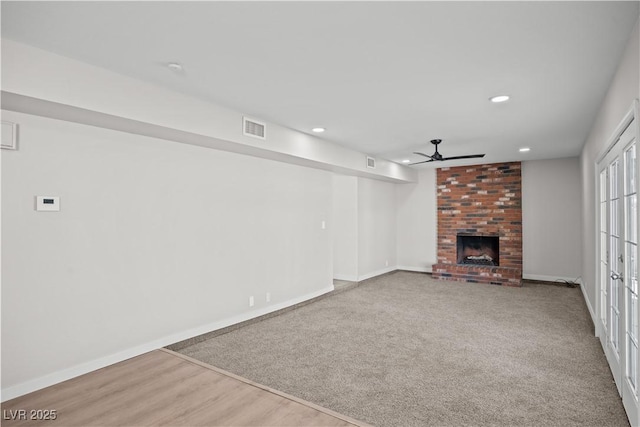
484,200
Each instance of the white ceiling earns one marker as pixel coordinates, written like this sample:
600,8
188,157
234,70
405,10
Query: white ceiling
384,78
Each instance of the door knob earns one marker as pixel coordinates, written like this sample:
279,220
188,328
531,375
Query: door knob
616,276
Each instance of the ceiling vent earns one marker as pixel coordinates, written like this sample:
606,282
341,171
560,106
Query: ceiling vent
371,162
254,128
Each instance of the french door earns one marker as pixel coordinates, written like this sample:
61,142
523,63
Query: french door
610,261
618,265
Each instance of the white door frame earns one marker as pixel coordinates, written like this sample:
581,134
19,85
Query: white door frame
629,399
624,123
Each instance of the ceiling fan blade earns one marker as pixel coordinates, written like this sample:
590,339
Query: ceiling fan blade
417,163
471,156
422,154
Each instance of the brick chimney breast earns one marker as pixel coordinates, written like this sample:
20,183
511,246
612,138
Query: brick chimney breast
482,200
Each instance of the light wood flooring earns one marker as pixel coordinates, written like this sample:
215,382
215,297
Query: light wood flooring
166,388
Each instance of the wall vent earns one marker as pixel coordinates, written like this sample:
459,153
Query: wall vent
371,162
254,128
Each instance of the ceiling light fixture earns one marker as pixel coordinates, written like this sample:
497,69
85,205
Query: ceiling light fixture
524,149
174,66
406,161
318,130
499,98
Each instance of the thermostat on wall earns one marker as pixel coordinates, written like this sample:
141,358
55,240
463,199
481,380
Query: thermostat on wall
47,203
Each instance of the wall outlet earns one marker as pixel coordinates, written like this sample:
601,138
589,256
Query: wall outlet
386,263
268,297
48,203
251,301
323,225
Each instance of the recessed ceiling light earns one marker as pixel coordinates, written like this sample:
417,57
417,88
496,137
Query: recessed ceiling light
174,66
524,149
318,130
406,161
499,98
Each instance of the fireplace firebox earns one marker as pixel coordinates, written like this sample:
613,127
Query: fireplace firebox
478,249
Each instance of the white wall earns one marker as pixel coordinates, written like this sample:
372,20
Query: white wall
44,76
158,241
364,228
625,87
376,228
551,239
551,221
155,242
344,227
417,222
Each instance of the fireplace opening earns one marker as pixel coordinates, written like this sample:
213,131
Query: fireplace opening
479,250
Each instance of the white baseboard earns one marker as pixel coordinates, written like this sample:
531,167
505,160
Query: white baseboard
589,307
579,280
347,277
379,272
376,273
416,269
544,278
83,368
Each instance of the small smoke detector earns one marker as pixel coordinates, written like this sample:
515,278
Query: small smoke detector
175,66
371,162
254,128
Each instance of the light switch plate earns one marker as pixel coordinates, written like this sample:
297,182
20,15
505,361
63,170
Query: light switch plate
47,203
9,135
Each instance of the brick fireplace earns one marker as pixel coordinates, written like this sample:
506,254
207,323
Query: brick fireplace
480,224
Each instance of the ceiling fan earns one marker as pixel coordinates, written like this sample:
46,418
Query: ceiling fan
438,157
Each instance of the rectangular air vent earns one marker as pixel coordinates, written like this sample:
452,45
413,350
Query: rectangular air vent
254,128
371,162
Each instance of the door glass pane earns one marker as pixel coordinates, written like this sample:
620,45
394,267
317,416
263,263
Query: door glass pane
613,180
631,292
630,170
631,264
633,311
632,219
632,271
604,275
613,295
613,221
632,371
614,255
630,194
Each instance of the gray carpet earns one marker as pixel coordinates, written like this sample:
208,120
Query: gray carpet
407,350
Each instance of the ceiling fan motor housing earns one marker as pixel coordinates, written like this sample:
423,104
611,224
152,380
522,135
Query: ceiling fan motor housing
438,157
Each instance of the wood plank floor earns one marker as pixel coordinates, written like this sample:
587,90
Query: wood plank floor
165,388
